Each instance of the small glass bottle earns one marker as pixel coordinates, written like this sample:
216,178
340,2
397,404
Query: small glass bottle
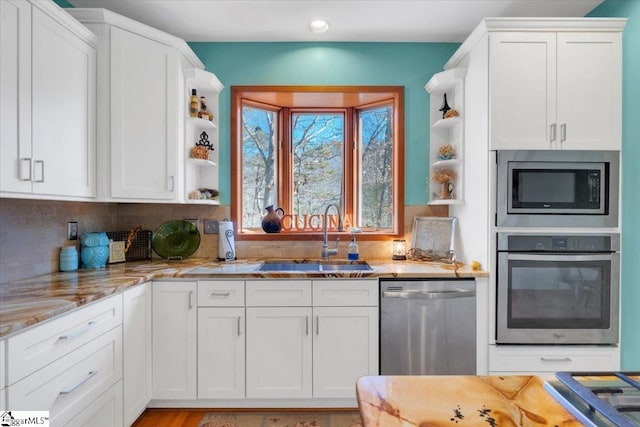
193,104
204,113
352,253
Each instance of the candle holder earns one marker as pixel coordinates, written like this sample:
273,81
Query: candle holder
399,250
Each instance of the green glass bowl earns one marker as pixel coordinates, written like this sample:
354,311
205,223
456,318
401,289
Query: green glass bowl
175,239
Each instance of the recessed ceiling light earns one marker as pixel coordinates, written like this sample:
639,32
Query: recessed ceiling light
318,26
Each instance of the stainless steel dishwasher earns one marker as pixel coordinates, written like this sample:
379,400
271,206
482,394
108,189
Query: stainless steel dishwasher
427,327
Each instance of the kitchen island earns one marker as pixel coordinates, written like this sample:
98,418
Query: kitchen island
436,400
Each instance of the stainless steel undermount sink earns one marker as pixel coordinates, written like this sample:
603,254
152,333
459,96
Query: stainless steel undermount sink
311,266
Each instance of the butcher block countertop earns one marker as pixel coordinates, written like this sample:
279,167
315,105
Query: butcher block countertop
438,400
27,302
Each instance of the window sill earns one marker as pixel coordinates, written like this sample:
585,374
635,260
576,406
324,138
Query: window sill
311,236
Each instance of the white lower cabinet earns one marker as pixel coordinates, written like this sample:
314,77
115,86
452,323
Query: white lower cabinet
174,340
136,351
3,394
545,360
279,352
221,352
345,347
105,411
68,385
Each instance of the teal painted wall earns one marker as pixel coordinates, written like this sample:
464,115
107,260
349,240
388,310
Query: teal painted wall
401,64
63,3
630,176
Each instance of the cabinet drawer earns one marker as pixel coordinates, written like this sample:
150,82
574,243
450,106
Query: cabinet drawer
68,385
3,367
105,411
33,349
553,359
224,293
273,293
331,293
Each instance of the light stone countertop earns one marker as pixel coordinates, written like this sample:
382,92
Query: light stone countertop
27,302
458,400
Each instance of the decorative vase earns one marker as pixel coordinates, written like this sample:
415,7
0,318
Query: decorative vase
68,258
447,190
271,222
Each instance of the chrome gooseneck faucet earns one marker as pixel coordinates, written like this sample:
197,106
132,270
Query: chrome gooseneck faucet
326,252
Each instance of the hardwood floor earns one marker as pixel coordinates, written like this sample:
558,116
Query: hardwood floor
163,417
170,418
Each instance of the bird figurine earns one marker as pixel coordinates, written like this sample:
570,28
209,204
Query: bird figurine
445,107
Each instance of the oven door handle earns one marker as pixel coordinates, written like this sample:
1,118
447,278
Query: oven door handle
555,257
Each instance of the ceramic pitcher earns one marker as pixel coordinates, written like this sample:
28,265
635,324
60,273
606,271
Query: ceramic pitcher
271,222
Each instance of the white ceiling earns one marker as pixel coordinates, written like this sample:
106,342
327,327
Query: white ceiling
349,20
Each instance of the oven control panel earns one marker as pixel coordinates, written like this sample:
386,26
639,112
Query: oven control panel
557,243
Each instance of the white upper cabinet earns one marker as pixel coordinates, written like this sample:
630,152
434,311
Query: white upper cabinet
144,117
142,107
47,92
589,88
555,90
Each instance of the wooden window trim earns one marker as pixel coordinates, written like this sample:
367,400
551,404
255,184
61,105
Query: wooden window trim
246,93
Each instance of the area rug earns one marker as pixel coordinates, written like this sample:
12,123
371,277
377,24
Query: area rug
281,419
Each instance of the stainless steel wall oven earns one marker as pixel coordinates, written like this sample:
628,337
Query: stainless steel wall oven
557,188
558,289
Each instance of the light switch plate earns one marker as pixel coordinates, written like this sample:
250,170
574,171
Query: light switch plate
72,230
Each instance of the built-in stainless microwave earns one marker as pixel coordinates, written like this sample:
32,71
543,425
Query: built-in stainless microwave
557,188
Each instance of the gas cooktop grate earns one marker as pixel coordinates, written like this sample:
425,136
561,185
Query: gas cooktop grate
612,401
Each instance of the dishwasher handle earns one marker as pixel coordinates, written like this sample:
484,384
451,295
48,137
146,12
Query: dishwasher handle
428,295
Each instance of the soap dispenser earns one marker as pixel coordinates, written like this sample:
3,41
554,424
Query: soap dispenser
352,253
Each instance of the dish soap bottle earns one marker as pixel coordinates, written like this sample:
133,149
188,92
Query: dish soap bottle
352,253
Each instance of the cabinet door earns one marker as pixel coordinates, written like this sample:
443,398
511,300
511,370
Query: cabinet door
174,340
589,91
63,110
278,352
15,96
144,117
221,344
522,90
345,347
137,351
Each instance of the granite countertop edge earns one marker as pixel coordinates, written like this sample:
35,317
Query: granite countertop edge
27,302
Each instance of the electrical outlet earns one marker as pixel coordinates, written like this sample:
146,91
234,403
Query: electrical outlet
211,226
194,222
72,230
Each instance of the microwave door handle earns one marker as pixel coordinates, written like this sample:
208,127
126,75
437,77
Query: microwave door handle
555,257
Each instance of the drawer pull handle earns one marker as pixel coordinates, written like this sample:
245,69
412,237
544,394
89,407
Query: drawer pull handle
78,331
219,294
307,325
239,320
317,325
555,359
79,383
190,300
